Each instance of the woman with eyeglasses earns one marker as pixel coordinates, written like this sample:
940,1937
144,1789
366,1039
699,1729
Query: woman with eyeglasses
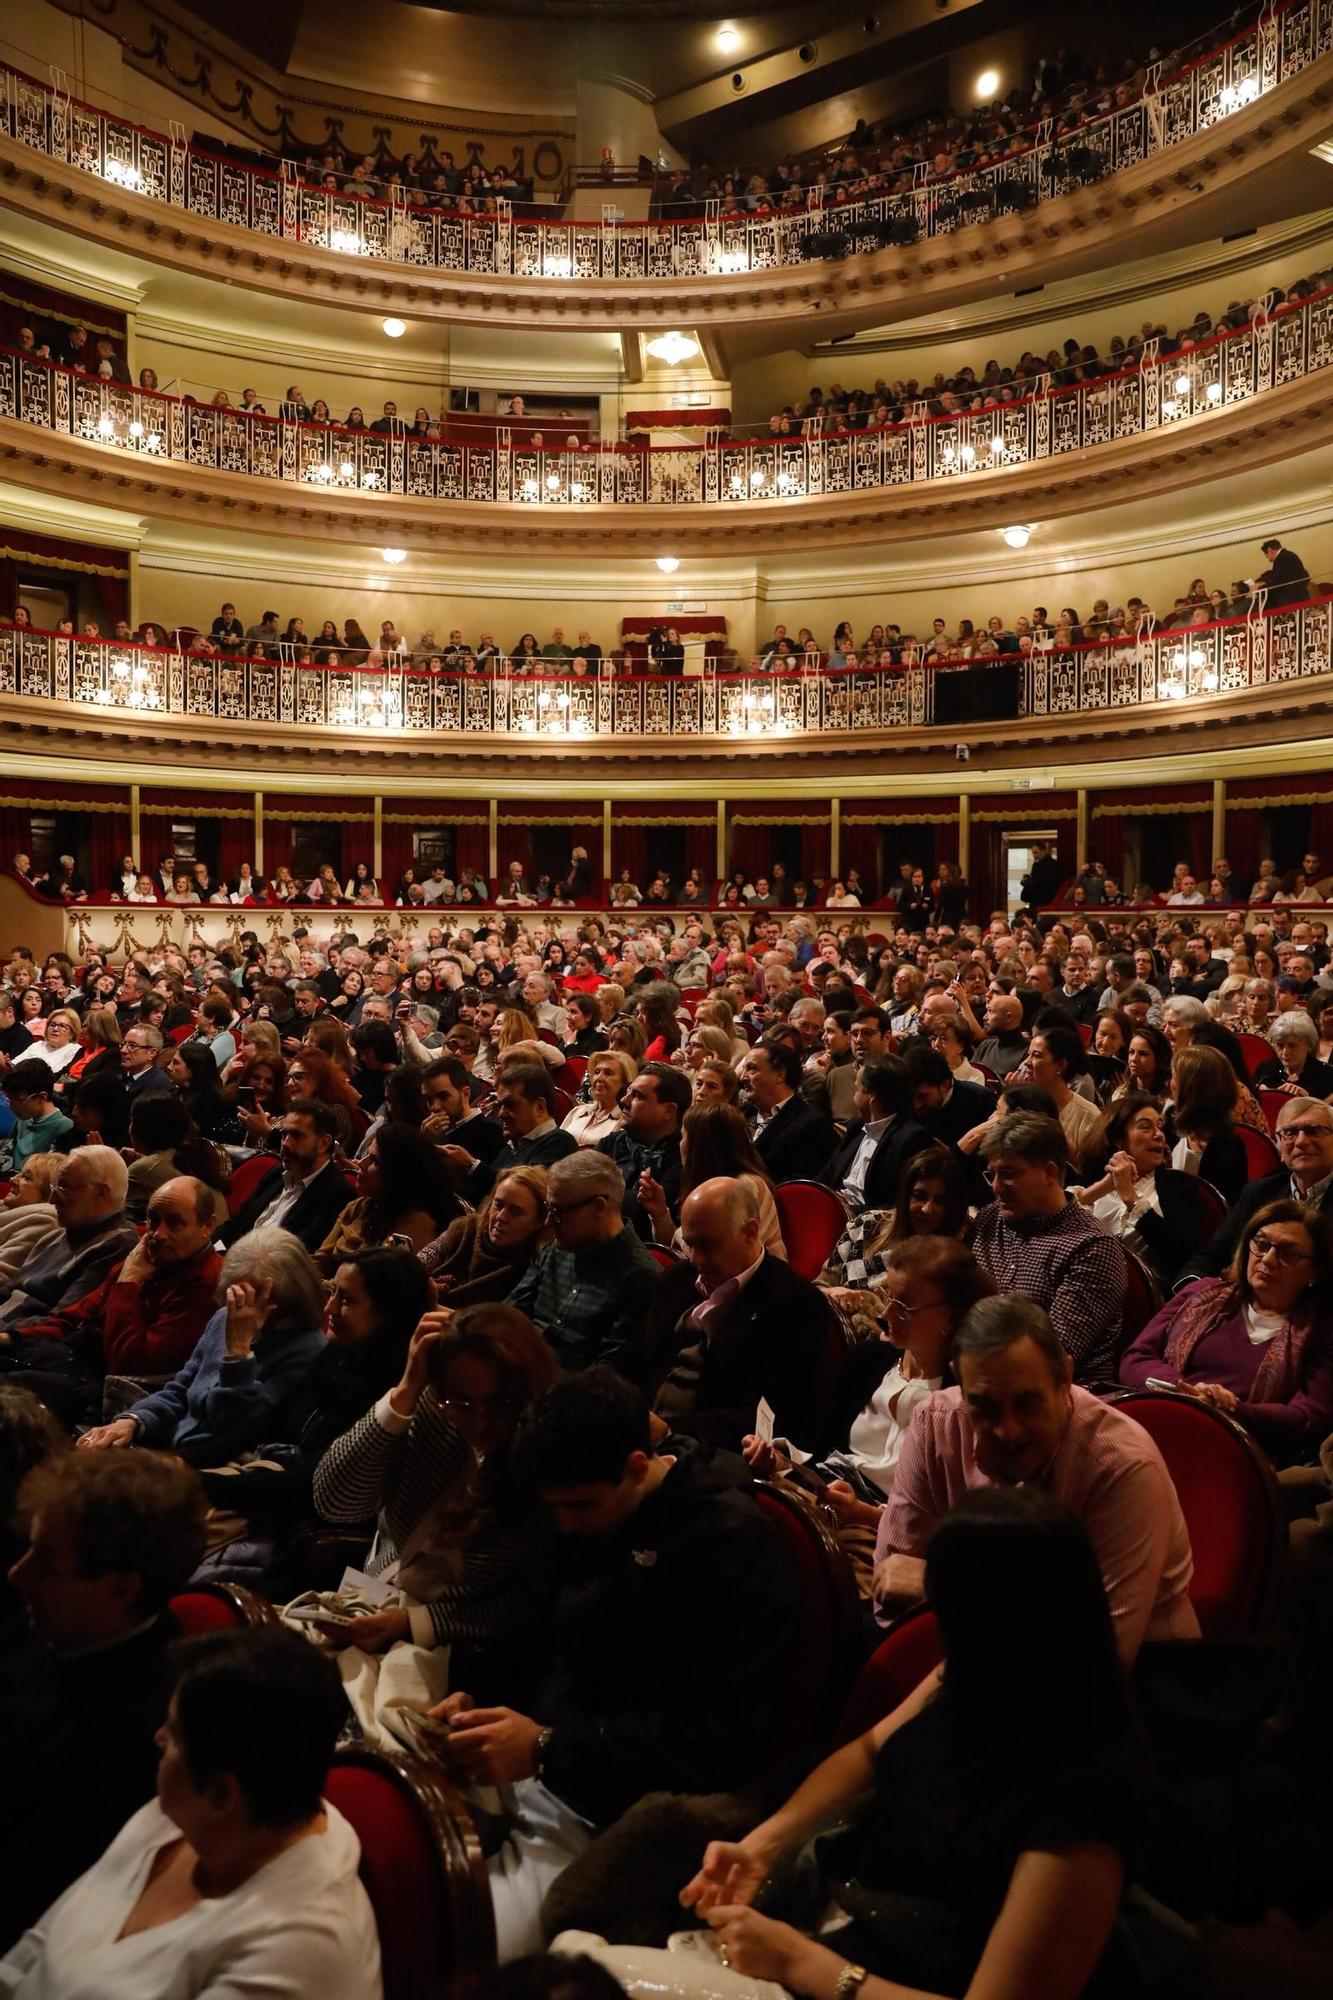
433,1463
481,1257
1256,1343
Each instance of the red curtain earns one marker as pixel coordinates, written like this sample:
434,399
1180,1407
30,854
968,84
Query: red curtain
1246,840
42,302
108,843
472,846
236,843
396,849
701,851
1106,843
629,849
816,850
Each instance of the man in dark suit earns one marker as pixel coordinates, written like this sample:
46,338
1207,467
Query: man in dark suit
647,1146
1042,880
1305,1141
113,1536
881,1139
734,1324
526,1099
139,1053
793,1136
305,1193
1287,580
946,1109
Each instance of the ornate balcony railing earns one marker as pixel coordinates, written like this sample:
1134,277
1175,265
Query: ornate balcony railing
1163,394
103,678
276,203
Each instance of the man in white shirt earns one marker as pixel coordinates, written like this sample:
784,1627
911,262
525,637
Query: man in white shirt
437,888
310,1193
1189,894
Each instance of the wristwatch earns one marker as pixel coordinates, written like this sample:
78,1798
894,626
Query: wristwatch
850,1981
539,1752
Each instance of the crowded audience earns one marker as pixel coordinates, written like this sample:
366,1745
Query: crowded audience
507,1251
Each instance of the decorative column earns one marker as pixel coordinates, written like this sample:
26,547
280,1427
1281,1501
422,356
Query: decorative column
1219,817
721,856
964,833
377,864
1081,834
835,840
493,840
134,824
259,833
606,840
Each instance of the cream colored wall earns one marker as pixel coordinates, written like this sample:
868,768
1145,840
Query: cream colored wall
609,114
761,387
35,36
441,59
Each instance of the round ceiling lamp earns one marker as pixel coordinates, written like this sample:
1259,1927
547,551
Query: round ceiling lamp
668,564
395,328
674,347
728,38
1017,537
394,556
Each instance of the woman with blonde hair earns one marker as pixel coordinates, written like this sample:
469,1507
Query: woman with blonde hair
716,1082
610,998
59,1046
98,1053
609,1075
480,1257
27,1213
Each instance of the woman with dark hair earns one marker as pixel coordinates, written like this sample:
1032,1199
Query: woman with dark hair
405,1196
932,1201
656,1007
1147,1063
100,1115
239,1876
356,646
481,1257
195,1075
1201,1120
1134,1193
1258,1342
1212,1034
435,1458
964,1855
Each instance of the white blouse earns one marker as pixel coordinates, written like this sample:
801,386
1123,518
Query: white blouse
300,1928
589,1124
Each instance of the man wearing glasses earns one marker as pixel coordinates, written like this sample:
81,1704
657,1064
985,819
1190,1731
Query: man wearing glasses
1305,1143
589,1291
138,1063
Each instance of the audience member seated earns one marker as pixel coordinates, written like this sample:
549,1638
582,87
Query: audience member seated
1033,1238
238,1875
715,1143
1295,1066
1017,1418
28,1217
867,1168
481,1256
83,1693
146,1318
1202,1115
94,1234
733,1324
946,1889
792,1137
608,1076
932,1201
1257,1343
946,1104
250,1365
646,1149
305,1192
460,1538
589,1290
405,1197
525,1099
452,1117
1055,1058
1004,1046
29,1088
1305,1143
674,1563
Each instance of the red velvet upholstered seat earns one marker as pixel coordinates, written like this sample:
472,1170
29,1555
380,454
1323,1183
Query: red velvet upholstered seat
900,1662
811,1219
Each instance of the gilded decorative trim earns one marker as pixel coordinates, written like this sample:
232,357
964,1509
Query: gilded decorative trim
58,562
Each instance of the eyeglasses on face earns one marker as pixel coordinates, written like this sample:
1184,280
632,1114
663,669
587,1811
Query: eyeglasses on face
1287,1254
557,1208
1305,1131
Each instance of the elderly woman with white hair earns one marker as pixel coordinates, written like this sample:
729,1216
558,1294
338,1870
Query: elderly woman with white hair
27,1213
249,1367
1295,1066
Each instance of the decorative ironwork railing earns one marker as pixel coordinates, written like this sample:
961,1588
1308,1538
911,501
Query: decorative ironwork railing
1163,393
276,203
104,677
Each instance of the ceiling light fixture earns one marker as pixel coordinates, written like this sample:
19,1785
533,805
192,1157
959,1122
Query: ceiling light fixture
1016,537
394,556
728,38
668,564
395,328
674,347
987,84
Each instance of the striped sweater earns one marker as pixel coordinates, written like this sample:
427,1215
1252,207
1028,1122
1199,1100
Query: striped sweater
394,1469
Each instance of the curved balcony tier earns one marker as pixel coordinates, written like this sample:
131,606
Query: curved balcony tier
1238,677
1212,147
1242,399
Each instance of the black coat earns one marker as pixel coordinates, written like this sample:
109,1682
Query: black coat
1217,1253
903,1140
966,1106
1041,882
779,1341
662,1161
1316,1078
796,1141
314,1215
542,1151
670,1647
1286,580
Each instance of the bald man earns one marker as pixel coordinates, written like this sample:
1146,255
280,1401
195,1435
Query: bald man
1004,1045
144,1319
732,1325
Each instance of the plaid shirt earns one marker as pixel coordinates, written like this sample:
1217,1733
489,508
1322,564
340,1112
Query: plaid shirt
1067,1263
591,1306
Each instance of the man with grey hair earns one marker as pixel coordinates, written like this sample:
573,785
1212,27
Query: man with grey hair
1016,1419
252,1361
95,1233
139,1067
537,1000
732,1325
590,1289
1305,1143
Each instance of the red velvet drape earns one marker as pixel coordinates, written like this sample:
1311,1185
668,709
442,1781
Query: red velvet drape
472,847
1246,841
108,843
236,843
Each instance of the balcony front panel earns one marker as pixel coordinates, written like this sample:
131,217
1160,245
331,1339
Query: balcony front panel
169,188
1013,454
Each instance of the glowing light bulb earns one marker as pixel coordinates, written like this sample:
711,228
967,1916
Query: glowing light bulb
1182,385
106,426
1016,537
668,564
395,328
